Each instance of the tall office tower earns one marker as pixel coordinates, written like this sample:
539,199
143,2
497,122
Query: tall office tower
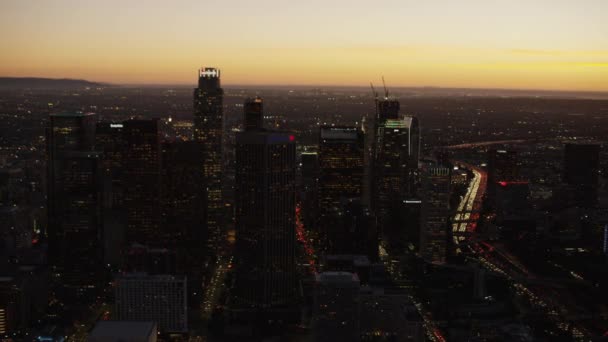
183,202
254,113
502,167
208,130
386,108
153,298
265,221
109,141
184,210
354,230
341,170
435,214
310,190
395,162
581,164
142,182
74,198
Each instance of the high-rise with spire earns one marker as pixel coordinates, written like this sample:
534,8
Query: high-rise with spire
208,130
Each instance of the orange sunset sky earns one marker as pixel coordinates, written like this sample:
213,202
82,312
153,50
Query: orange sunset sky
539,44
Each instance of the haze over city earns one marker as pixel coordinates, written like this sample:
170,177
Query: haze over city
555,45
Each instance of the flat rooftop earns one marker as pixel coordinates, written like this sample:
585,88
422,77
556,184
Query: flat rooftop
125,330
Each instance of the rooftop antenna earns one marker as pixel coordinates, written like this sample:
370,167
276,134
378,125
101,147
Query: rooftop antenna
374,90
385,90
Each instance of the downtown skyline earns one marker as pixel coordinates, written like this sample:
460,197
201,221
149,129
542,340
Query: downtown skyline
552,45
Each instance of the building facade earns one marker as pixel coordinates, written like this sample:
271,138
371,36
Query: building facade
435,214
208,130
265,219
142,182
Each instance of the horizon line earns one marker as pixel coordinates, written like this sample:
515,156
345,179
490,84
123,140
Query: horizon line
282,85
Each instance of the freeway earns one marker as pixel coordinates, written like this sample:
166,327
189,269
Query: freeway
556,305
467,214
484,143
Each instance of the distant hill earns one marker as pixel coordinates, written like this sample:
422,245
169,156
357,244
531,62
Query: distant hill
45,83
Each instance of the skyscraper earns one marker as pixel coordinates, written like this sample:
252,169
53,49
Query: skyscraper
341,170
74,198
395,161
183,202
254,113
502,167
265,220
581,164
208,130
310,189
435,214
142,182
183,211
109,141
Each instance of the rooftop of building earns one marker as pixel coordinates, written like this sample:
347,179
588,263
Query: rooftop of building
122,330
337,278
402,122
71,114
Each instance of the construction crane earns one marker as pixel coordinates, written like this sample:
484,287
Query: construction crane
385,90
374,92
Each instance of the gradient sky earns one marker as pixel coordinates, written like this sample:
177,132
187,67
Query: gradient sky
531,44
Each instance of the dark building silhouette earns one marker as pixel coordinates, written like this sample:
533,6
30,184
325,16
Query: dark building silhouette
142,182
208,130
265,221
336,307
435,214
354,230
110,143
310,189
153,261
387,108
502,167
341,170
581,164
254,113
184,211
395,163
183,201
512,207
74,198
402,233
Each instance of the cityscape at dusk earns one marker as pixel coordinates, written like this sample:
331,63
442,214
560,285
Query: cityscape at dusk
315,171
